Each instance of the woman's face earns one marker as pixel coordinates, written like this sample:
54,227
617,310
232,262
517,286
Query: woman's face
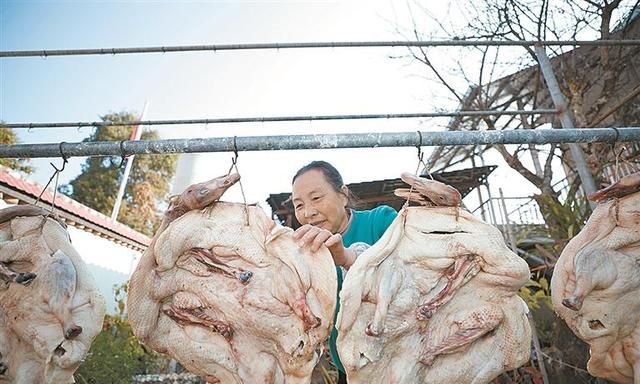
317,203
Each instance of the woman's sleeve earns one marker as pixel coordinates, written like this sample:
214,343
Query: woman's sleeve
384,217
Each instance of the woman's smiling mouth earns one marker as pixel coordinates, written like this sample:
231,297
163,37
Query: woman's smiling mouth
318,223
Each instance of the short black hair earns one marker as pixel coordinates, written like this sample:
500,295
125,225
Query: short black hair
332,176
330,173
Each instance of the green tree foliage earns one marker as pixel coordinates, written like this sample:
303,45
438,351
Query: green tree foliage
116,355
147,186
8,136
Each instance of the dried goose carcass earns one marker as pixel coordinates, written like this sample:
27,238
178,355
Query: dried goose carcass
435,299
229,294
50,308
596,283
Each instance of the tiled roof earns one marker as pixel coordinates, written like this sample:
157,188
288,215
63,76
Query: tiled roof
70,206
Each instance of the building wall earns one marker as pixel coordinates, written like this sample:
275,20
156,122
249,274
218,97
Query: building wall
109,263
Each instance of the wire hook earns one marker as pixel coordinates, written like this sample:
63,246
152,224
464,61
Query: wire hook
123,155
419,146
615,140
234,159
234,164
56,172
65,158
618,155
235,147
421,157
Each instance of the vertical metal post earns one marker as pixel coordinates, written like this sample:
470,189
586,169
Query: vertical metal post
492,213
482,212
532,147
492,210
536,347
127,170
507,222
588,185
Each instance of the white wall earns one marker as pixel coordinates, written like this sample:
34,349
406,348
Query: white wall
108,262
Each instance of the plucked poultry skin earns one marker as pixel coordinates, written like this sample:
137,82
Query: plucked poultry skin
232,302
595,287
48,320
435,299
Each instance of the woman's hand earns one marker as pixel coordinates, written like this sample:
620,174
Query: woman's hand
313,238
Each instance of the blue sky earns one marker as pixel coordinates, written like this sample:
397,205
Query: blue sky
224,84
200,85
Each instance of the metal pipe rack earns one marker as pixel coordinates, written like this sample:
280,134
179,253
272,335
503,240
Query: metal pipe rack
335,44
321,141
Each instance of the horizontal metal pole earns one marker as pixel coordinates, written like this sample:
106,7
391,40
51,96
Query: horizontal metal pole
321,141
338,44
277,118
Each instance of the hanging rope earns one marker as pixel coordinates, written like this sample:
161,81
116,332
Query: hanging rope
420,162
55,175
234,164
617,155
421,157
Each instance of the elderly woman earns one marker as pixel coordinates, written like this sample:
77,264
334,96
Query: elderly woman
323,205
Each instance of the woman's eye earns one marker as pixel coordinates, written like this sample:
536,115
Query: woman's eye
316,198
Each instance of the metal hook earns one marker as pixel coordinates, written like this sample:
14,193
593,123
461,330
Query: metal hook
65,158
615,140
234,164
419,146
123,156
235,148
56,172
234,159
421,157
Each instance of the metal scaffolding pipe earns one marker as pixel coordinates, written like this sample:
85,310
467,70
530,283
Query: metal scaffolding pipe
341,44
586,178
321,141
226,120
